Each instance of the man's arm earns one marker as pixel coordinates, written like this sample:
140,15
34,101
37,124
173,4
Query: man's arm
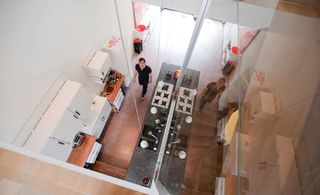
150,77
135,73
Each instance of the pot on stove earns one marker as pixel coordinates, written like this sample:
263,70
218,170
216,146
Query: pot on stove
163,111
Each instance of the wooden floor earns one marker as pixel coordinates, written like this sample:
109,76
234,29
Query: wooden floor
20,174
168,43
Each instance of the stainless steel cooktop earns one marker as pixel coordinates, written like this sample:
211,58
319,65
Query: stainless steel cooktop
185,101
162,95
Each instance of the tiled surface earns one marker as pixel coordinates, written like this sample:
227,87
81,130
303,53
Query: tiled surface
185,101
162,95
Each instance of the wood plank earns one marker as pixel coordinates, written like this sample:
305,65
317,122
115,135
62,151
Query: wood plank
109,170
53,179
80,154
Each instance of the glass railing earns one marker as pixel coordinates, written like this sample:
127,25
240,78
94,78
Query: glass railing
278,137
192,151
259,135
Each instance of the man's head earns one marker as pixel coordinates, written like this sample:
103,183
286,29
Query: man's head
222,80
142,61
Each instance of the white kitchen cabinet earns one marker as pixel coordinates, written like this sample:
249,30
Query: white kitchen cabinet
99,113
75,98
49,146
114,47
98,65
65,117
67,114
60,123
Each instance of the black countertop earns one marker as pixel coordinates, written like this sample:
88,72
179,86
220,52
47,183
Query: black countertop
143,161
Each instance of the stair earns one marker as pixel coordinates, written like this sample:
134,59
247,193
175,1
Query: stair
110,170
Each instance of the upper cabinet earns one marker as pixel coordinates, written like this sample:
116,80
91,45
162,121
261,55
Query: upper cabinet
75,98
73,110
59,123
98,65
67,114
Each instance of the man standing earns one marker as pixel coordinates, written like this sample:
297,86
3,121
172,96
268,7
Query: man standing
145,77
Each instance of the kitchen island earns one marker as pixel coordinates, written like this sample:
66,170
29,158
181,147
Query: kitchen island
145,157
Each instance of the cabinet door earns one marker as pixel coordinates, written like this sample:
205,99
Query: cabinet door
57,149
99,126
48,146
60,123
99,64
74,97
69,125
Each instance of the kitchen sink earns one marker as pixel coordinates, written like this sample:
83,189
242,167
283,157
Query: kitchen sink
152,136
176,143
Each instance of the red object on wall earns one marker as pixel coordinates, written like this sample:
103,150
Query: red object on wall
235,50
141,28
137,40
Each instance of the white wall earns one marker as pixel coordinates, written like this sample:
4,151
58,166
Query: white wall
39,40
226,10
249,15
126,16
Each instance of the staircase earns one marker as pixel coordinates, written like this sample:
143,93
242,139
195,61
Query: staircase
110,170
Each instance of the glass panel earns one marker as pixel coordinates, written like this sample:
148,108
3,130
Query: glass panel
164,52
279,83
193,152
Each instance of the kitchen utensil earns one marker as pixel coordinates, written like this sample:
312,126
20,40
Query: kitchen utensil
78,139
157,121
194,92
153,110
163,111
160,83
163,122
144,144
182,154
178,126
188,119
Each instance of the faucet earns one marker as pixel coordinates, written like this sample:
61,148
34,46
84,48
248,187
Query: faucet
173,132
174,142
150,133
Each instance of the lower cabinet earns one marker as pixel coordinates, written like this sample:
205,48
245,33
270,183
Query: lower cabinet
49,146
99,114
60,123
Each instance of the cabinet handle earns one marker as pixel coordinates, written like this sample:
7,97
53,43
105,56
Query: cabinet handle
61,143
78,113
102,73
75,116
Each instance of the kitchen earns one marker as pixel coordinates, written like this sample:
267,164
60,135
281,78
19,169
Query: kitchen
67,96
120,137
106,118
